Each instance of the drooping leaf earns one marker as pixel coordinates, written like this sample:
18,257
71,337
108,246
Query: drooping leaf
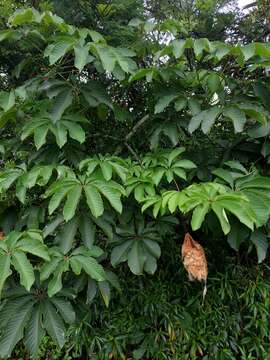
260,241
24,268
14,329
5,270
54,324
34,331
62,101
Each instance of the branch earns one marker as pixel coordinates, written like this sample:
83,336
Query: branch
136,127
129,135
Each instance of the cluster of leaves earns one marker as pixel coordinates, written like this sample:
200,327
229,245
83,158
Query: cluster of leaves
162,316
70,212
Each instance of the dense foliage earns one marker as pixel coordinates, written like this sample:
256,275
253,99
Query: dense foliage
123,126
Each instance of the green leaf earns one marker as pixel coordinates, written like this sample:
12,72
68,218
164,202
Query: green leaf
195,122
222,217
48,268
91,290
75,265
34,331
263,92
5,270
14,329
180,104
23,16
24,268
238,234
87,230
55,284
194,106
237,116
136,258
213,82
209,119
178,47
153,247
106,169
198,216
62,101
7,100
51,226
200,45
224,175
65,309
113,280
94,200
150,265
58,50
59,195
164,102
91,267
119,253
111,194
186,164
260,204
82,57
76,132
66,237
240,209
72,202
260,241
34,247
40,135
107,57
105,291
54,324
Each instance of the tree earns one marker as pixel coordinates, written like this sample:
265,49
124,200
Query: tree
106,148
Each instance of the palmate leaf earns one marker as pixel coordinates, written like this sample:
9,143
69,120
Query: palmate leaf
201,198
16,245
68,124
141,252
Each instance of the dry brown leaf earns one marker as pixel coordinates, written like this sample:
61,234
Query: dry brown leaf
2,235
194,259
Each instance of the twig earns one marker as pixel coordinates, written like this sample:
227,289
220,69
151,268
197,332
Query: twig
129,135
136,127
